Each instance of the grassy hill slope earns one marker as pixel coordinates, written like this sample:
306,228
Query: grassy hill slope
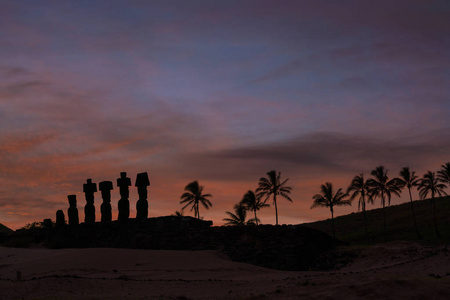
350,228
4,229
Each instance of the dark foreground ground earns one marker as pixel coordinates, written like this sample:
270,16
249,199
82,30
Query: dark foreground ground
396,270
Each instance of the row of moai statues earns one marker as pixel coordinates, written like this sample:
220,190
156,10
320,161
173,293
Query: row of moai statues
89,188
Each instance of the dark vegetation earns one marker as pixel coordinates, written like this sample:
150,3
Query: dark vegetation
351,228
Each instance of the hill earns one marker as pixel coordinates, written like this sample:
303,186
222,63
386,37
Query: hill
5,230
350,228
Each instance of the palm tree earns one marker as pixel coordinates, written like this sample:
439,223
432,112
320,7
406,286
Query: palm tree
360,187
272,186
431,184
444,174
329,199
193,196
409,179
178,214
382,187
253,203
238,218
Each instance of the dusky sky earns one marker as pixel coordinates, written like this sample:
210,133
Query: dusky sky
220,92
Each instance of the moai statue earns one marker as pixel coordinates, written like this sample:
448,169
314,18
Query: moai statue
124,205
142,183
105,187
60,218
72,212
89,188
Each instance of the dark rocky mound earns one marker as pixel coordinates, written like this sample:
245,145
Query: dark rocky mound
177,233
279,247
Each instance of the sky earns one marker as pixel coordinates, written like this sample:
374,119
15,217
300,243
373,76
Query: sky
220,92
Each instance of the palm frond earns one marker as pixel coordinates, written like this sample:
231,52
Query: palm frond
328,198
193,195
238,217
430,184
272,186
286,196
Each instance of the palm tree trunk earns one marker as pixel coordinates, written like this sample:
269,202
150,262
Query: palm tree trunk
276,210
414,215
434,215
256,219
365,225
365,218
384,218
332,222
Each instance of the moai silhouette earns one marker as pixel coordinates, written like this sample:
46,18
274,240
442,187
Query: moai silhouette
60,218
142,182
124,205
105,187
72,212
89,188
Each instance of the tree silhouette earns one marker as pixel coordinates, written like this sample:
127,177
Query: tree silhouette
328,198
444,174
253,203
382,187
431,184
409,179
272,186
193,196
178,214
360,187
239,216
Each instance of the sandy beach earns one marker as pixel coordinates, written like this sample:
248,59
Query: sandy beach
390,271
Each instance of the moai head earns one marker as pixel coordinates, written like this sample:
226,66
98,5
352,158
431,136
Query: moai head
123,183
60,218
142,182
89,188
105,187
72,200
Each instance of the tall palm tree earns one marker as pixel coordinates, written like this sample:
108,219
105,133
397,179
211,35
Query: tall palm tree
409,179
253,203
239,216
431,184
382,187
444,174
273,186
328,198
193,196
360,187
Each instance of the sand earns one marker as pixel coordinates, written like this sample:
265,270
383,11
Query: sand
399,270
